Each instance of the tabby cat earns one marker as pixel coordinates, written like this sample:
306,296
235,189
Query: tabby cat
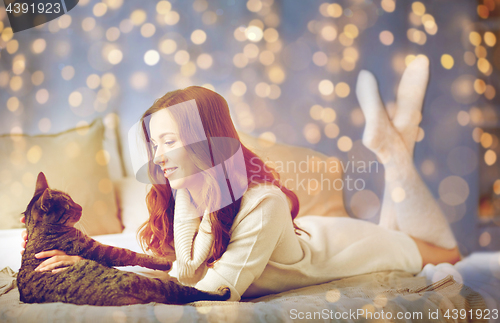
50,217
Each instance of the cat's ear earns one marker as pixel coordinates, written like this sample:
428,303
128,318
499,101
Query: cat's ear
45,200
41,183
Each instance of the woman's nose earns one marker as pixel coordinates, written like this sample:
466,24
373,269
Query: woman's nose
159,157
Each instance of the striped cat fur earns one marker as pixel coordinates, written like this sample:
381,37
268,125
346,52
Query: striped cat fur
50,217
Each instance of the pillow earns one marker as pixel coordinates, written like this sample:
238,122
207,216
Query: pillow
313,176
112,145
132,202
73,161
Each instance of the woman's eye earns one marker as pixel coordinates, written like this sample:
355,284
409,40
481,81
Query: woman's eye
169,143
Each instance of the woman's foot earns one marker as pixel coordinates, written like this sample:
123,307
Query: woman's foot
431,254
410,99
408,205
379,135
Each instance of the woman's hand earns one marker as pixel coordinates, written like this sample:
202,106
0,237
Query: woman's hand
57,262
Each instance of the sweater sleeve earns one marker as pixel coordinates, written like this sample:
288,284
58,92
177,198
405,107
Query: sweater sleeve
192,239
252,242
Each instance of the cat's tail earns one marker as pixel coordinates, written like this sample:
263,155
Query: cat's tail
179,294
224,293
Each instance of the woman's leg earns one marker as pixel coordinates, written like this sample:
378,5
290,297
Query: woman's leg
436,255
412,206
405,119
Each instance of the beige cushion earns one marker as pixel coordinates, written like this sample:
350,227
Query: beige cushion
131,196
73,161
313,176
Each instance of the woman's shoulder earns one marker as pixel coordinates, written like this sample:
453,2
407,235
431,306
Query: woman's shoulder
260,191
256,193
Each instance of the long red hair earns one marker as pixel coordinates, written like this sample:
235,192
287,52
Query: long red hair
157,233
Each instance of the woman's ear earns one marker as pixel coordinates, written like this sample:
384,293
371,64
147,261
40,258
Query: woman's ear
45,200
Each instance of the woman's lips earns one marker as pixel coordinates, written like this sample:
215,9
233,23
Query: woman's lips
168,171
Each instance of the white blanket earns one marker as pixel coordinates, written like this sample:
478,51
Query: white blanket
391,291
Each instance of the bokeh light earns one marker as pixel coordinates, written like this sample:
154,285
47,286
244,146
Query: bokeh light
386,37
148,30
490,157
447,61
198,36
342,89
68,72
238,88
151,57
254,33
453,190
37,78
332,130
75,99
388,5
398,194
42,96
325,87
139,80
44,125
100,9
204,61
312,133
13,103
172,18
344,143
365,204
39,45
168,46
181,57
138,17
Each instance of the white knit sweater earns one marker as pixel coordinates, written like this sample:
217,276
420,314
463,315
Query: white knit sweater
265,255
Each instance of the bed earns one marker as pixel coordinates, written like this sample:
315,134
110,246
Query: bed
468,291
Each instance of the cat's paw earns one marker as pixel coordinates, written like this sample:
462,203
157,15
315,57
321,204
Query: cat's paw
225,292
165,266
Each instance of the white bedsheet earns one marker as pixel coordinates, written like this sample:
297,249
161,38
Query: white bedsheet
479,271
10,250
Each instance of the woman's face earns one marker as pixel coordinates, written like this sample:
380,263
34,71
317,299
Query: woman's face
170,154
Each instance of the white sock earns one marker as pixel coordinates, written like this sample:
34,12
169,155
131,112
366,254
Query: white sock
373,109
417,214
410,99
406,118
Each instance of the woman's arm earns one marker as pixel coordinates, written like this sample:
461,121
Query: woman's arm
58,260
252,243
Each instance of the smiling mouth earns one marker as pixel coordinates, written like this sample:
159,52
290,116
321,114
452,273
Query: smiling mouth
169,171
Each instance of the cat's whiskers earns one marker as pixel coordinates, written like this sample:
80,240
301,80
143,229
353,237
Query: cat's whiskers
81,226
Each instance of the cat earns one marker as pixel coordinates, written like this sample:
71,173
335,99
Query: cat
49,219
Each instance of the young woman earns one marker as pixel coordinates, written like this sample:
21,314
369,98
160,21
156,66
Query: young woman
235,226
